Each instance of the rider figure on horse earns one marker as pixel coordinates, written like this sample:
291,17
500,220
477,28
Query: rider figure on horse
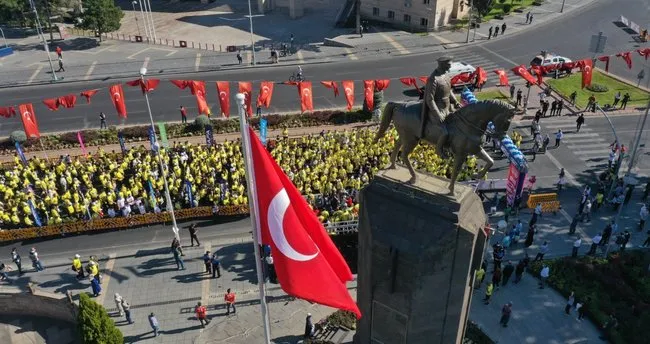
438,98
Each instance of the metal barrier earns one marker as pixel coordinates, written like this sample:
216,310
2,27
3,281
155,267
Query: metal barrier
342,227
549,202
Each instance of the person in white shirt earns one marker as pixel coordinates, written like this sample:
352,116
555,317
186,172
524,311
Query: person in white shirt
586,211
595,241
546,271
576,247
558,137
120,202
643,215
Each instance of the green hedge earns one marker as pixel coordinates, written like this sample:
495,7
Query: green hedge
615,285
95,326
474,335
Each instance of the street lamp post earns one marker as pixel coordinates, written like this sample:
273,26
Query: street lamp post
150,16
135,15
250,20
144,19
4,38
40,33
168,198
469,24
562,9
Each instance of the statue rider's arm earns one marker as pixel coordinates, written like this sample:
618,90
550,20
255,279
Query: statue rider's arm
452,98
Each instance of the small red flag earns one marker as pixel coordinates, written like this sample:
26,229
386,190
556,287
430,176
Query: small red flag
88,94
307,263
7,111
627,56
198,89
587,69
369,92
539,73
223,87
606,60
424,79
52,103
146,86
569,66
503,77
332,85
523,72
29,120
462,78
306,98
117,96
68,101
247,89
266,92
182,84
348,88
382,84
410,81
645,52
481,76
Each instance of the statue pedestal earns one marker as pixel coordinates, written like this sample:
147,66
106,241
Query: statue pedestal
418,249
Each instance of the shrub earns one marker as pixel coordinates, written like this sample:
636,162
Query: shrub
538,3
18,136
95,326
343,318
507,8
474,335
502,1
597,88
201,122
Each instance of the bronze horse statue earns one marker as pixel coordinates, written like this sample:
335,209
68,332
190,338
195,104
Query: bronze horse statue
465,126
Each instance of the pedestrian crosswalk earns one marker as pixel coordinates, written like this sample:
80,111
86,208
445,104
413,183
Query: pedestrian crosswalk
587,145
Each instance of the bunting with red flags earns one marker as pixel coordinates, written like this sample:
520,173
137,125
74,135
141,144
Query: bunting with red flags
462,78
606,60
182,84
382,84
223,88
645,52
7,111
481,76
424,79
266,92
539,73
117,96
146,85
28,117
627,56
369,93
247,89
410,81
332,85
348,88
88,94
306,100
503,77
198,89
52,103
523,72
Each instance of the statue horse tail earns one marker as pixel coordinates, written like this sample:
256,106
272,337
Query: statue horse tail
386,118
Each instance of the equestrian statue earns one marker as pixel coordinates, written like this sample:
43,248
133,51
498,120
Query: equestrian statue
432,120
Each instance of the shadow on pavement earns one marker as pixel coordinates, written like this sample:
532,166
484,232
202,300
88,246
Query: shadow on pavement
191,277
178,330
240,260
290,339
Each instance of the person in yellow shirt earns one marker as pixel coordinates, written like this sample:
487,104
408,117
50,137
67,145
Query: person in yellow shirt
77,266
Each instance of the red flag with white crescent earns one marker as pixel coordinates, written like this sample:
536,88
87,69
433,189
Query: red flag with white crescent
247,89
266,92
645,52
382,84
182,84
28,117
306,97
88,94
587,70
606,60
68,101
424,79
461,78
503,77
627,56
52,103
523,72
481,76
117,96
307,263
332,85
198,89
223,88
539,73
348,89
369,93
7,111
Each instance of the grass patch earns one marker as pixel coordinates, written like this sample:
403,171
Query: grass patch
491,94
565,86
497,8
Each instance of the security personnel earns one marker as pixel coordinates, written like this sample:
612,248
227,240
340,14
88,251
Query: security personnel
78,266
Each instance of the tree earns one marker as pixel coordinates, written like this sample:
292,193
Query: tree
483,6
12,12
95,326
100,16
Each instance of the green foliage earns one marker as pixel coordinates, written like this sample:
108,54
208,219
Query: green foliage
597,88
343,318
100,16
474,335
95,326
18,136
201,122
507,8
502,1
483,6
12,12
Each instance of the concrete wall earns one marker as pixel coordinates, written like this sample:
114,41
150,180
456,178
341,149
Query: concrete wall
436,12
13,301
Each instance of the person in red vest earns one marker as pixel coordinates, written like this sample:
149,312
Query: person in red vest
230,301
59,51
202,314
183,115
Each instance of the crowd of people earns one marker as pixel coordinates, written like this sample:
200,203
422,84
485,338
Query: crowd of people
328,168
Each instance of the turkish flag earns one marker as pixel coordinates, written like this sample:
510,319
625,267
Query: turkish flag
182,84
462,78
523,72
569,66
307,263
146,86
223,87
306,99
348,88
88,94
410,81
503,77
266,92
645,52
117,96
606,60
247,89
198,89
369,93
381,85
332,85
7,111
481,76
627,56
68,101
52,103
587,67
539,73
29,120
424,79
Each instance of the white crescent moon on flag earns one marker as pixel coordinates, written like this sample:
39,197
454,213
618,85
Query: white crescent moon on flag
275,219
348,91
222,95
116,95
520,70
265,89
587,68
305,92
27,115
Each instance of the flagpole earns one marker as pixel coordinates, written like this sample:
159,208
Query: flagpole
252,205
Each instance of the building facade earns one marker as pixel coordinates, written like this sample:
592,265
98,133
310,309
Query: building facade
414,15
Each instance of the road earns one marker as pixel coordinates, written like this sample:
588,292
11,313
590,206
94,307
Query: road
577,27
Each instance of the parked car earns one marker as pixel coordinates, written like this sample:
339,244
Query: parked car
458,68
549,59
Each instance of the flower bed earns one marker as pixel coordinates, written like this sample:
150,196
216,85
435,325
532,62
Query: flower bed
618,285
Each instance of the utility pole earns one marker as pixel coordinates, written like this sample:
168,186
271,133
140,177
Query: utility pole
39,29
470,16
49,20
562,9
358,21
250,20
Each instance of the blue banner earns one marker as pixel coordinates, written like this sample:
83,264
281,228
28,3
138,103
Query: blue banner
120,138
152,139
37,219
152,195
188,189
263,131
21,154
209,135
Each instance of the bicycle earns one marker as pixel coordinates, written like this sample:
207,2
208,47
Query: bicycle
296,78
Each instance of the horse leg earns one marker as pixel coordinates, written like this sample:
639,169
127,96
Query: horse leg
393,155
459,160
483,155
407,148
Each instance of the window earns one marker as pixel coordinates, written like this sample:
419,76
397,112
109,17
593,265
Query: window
391,15
426,2
407,18
424,22
375,11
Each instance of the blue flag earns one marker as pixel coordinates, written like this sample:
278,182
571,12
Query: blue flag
152,195
120,138
209,135
263,131
21,154
188,189
37,219
152,139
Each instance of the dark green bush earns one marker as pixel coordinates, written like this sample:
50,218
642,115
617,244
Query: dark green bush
95,326
18,136
343,318
474,335
201,122
507,8
597,88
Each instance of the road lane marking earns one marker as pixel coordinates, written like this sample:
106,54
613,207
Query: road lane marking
90,70
300,58
197,62
351,54
249,57
35,74
146,62
205,283
132,56
394,43
441,39
498,55
106,278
